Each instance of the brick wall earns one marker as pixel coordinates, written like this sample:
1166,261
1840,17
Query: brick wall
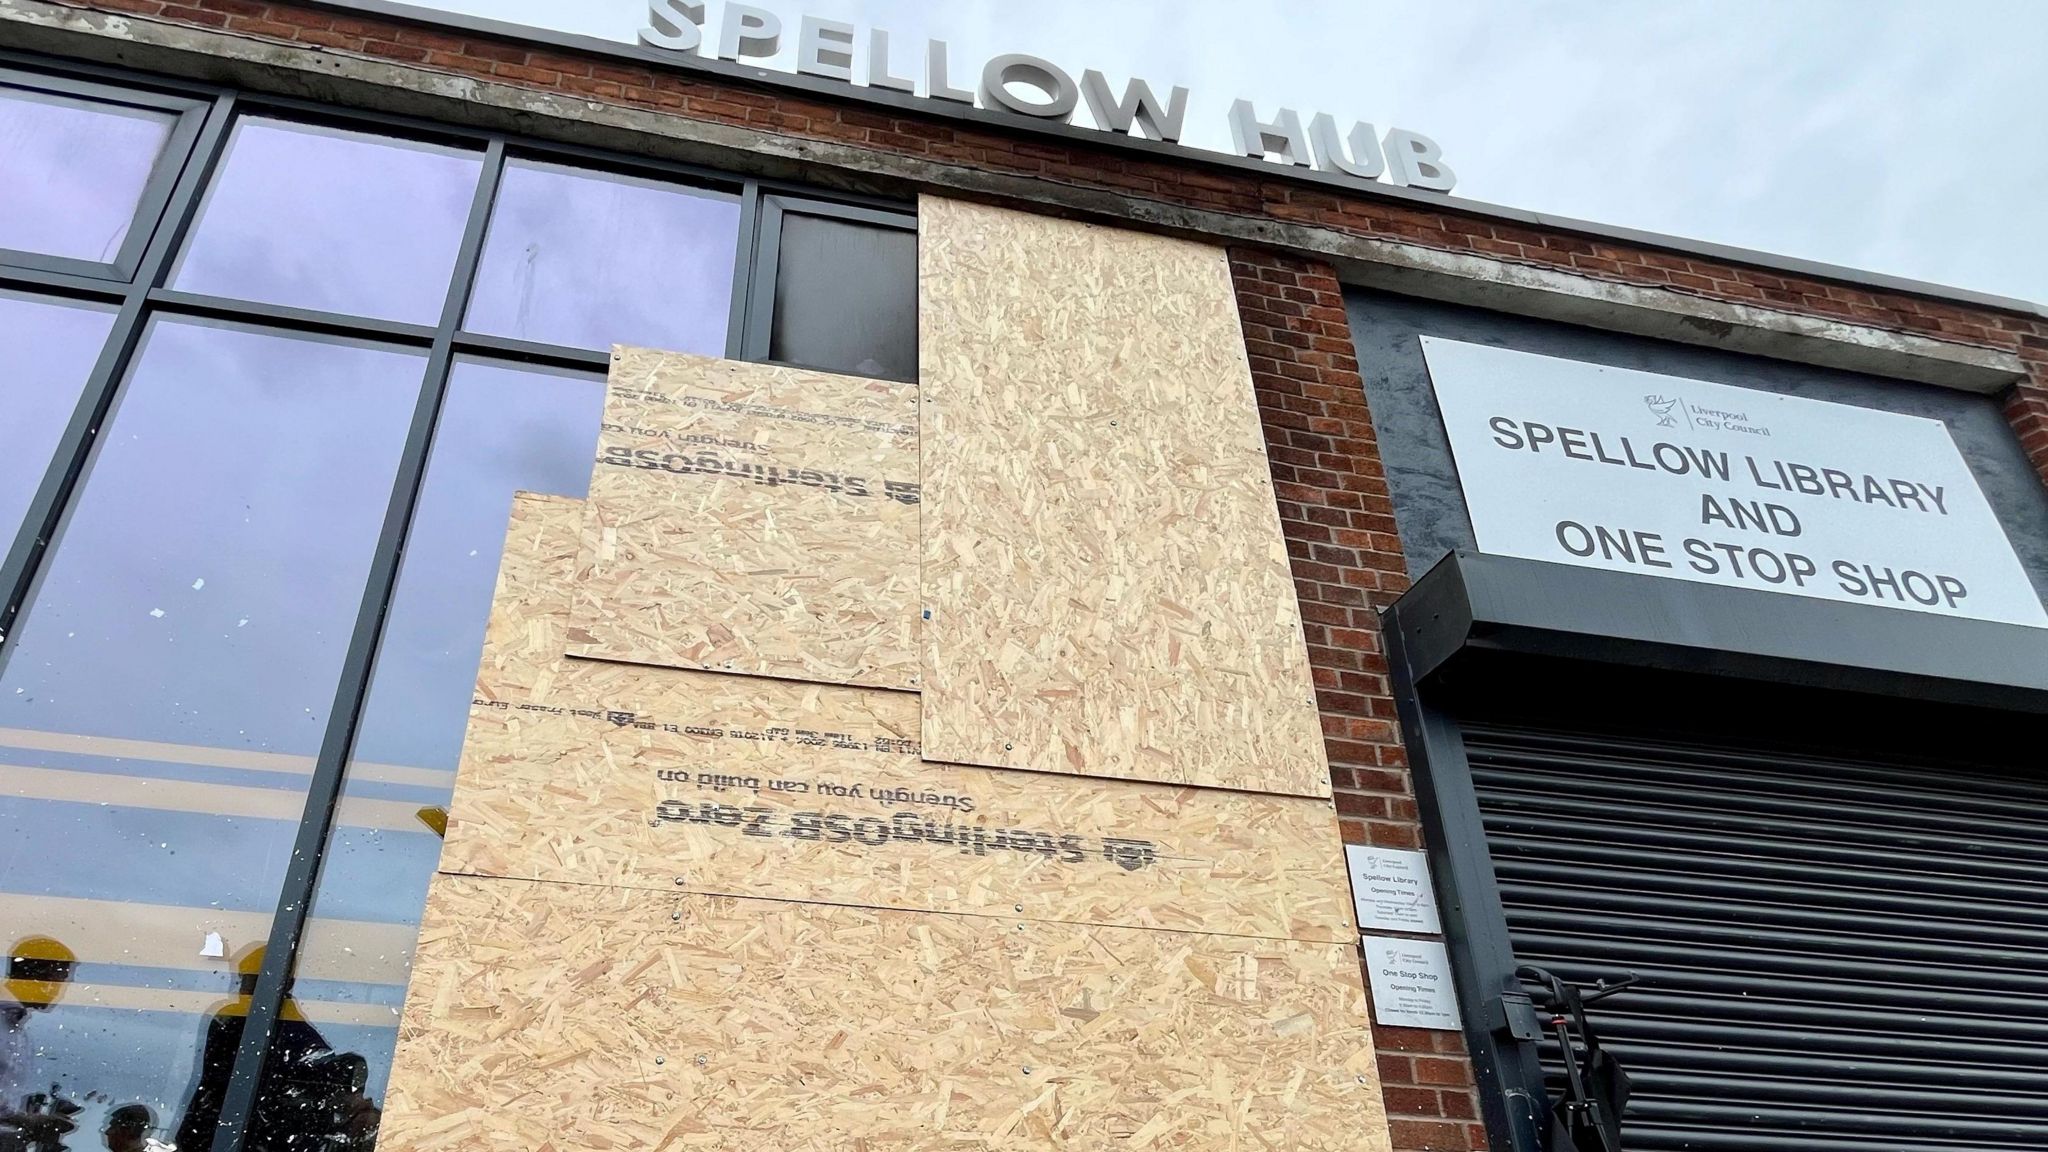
1185,182
1334,503
1338,518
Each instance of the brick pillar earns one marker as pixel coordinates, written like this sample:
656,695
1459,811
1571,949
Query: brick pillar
1338,518
2026,407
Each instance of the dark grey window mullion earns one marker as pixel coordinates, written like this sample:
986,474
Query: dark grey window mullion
745,270
65,284
18,567
156,196
290,318
303,871
531,352
760,301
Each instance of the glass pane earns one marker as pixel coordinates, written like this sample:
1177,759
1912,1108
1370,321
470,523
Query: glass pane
846,298
502,430
74,172
47,350
160,708
590,259
316,217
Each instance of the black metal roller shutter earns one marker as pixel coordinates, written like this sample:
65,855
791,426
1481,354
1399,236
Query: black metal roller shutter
1836,954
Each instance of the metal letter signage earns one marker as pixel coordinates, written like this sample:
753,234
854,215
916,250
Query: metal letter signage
1020,85
1633,471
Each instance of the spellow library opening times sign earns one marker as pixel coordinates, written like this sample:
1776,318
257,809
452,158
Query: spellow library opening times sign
1634,471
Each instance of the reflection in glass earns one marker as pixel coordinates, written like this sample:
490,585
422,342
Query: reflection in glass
73,171
339,221
502,430
47,350
591,259
846,298
161,702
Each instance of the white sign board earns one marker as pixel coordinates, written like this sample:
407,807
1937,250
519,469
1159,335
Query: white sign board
1633,471
1411,983
1390,887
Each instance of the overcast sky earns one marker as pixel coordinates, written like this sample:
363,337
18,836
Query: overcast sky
1900,136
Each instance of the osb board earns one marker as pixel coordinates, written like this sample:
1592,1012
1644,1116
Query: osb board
617,774
545,1016
752,518
1108,588
527,632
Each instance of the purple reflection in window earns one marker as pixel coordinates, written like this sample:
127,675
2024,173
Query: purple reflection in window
591,259
207,576
316,217
503,429
46,351
73,171
161,702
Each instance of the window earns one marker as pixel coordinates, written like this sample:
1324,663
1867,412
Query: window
504,429
591,259
77,204
161,705
339,221
269,378
843,294
47,349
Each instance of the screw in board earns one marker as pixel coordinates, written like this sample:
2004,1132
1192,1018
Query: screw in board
661,1059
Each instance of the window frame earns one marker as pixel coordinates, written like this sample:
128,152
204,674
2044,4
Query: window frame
746,192
758,325
134,285
188,112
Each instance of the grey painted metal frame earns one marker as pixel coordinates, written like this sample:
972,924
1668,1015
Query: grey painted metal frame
39,524
134,287
190,113
757,328
330,769
1472,603
1505,1069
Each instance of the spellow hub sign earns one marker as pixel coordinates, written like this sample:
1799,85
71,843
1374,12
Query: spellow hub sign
1613,468
1030,86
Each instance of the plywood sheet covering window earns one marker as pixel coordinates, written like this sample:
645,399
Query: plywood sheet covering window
755,519
617,774
563,1016
1108,587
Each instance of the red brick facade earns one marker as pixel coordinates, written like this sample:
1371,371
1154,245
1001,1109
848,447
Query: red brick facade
1338,518
1187,183
1334,502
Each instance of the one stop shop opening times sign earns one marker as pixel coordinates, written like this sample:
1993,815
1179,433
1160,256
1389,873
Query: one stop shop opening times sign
1633,471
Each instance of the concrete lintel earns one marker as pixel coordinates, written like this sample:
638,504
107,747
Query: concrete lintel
1680,317
333,77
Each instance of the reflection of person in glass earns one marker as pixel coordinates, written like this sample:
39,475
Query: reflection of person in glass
310,1095
38,967
127,1129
